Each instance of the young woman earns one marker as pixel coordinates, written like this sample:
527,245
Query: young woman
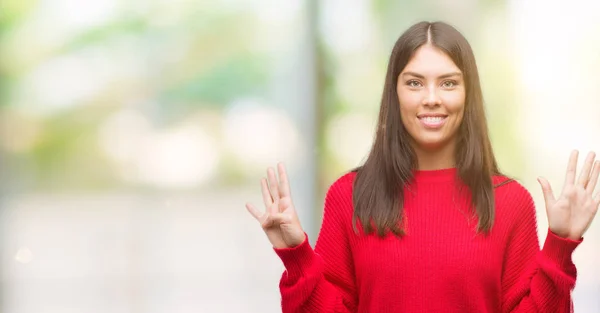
428,223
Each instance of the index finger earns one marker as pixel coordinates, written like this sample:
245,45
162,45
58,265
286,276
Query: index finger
571,168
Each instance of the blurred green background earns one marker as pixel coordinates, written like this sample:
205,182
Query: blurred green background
133,132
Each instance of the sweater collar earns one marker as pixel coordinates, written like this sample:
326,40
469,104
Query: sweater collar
446,174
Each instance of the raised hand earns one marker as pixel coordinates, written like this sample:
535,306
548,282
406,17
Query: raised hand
279,220
572,213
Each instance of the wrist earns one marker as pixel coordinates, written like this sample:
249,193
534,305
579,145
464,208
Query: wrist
566,235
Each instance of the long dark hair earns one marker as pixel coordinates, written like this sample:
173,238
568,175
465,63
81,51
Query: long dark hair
378,188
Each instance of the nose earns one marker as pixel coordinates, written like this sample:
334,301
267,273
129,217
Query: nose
431,97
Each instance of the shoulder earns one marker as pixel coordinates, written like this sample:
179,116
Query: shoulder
343,184
508,189
513,197
339,193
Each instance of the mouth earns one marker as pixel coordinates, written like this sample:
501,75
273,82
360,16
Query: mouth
432,121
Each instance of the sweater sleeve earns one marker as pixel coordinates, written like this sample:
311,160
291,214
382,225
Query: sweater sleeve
537,280
322,280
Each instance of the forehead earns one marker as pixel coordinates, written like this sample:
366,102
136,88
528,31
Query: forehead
429,59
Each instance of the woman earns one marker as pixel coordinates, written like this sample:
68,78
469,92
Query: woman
428,223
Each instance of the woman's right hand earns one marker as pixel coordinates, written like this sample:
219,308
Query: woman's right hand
279,220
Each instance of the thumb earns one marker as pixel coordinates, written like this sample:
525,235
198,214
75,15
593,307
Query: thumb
275,219
547,191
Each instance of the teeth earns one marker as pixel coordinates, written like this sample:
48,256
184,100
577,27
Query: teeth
431,119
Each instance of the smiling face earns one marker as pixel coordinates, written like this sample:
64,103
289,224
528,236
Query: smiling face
431,93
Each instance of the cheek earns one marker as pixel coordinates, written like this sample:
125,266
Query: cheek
457,123
408,113
454,102
409,104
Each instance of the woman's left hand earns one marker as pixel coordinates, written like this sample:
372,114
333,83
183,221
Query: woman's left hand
572,213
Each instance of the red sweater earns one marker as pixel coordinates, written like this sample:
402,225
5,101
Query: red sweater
441,265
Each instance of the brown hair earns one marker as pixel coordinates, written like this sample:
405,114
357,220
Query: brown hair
378,188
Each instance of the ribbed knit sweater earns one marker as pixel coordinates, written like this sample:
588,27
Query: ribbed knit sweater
441,265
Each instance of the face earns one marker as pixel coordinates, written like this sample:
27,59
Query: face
431,92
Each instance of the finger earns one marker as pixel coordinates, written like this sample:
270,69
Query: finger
547,191
284,185
571,168
276,219
265,193
584,175
256,213
267,221
273,184
593,178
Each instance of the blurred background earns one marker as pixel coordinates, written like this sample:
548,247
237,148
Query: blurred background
133,132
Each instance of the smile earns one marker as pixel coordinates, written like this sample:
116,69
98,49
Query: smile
432,122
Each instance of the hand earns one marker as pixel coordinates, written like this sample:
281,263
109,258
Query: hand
571,214
279,221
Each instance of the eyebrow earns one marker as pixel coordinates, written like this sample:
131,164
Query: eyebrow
439,77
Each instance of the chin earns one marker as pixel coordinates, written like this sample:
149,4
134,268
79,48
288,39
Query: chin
431,145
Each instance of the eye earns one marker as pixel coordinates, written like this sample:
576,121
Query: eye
449,84
413,83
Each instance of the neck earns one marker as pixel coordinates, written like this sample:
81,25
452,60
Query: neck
436,159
